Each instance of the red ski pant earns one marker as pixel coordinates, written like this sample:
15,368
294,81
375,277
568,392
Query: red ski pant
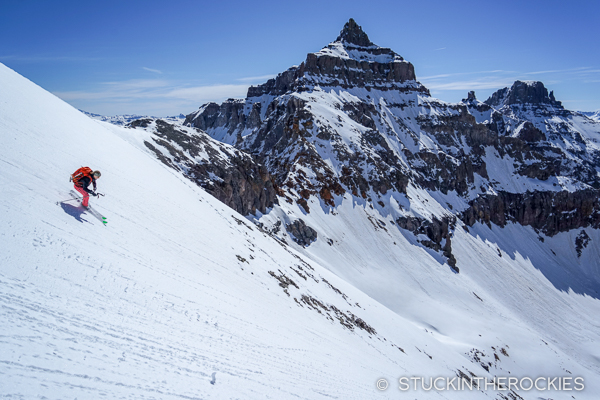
86,196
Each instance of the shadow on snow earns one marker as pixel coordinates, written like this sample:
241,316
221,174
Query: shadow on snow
74,211
563,271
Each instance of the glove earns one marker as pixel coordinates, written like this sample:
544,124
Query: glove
94,194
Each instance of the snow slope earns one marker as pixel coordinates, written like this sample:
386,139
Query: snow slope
509,281
175,293
180,297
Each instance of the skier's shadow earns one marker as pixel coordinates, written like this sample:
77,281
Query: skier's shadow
74,211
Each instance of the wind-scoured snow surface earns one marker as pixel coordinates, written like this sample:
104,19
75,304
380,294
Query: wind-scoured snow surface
346,51
179,297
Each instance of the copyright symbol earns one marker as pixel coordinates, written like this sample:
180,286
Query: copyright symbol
382,384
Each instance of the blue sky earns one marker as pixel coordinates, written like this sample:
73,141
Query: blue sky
164,58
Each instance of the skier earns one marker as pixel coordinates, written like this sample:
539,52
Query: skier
82,179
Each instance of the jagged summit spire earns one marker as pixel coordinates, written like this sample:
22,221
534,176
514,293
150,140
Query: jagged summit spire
353,33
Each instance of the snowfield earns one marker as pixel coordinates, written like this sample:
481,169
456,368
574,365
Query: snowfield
180,297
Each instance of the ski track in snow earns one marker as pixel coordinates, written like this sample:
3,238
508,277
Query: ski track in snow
85,333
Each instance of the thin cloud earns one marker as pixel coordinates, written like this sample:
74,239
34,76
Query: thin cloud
466,81
438,76
544,72
261,78
498,71
579,69
484,80
82,95
120,90
150,97
140,84
209,93
156,90
36,59
588,72
478,84
156,71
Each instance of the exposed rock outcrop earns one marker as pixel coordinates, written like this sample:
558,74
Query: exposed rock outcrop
228,174
474,104
547,212
523,93
353,34
301,233
581,242
438,232
529,133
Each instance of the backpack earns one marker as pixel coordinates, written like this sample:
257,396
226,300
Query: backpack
80,173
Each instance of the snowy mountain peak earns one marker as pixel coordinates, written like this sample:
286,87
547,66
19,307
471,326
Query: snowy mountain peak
354,44
353,33
527,92
471,99
480,110
350,61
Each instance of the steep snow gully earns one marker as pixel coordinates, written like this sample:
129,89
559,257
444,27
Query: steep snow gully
181,297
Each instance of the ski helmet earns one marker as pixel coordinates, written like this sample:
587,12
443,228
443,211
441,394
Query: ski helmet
97,174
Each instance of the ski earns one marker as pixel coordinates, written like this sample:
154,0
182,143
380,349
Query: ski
91,210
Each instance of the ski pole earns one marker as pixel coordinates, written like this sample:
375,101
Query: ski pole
64,201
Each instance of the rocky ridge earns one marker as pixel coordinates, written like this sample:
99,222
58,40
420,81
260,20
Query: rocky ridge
228,174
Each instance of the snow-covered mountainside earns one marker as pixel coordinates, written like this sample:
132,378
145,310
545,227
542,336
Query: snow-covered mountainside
416,201
352,122
122,120
364,125
561,143
178,296
593,115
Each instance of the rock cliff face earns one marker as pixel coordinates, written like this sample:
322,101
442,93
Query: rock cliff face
546,212
228,174
352,121
523,93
